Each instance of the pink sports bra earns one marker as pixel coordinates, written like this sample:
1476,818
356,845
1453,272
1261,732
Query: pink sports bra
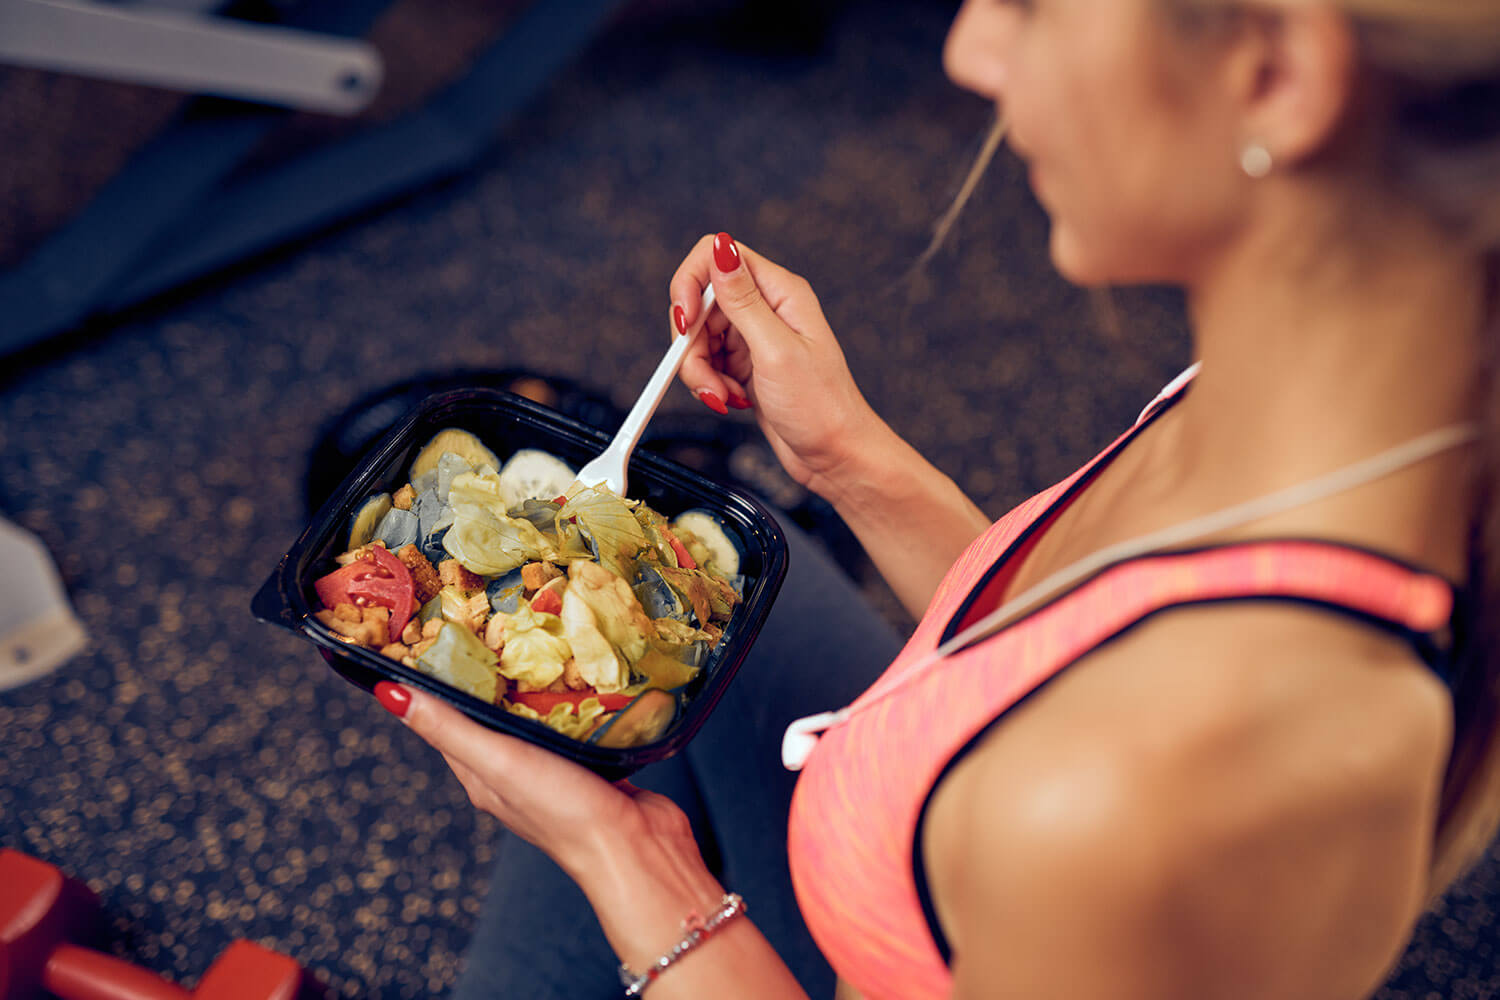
854,834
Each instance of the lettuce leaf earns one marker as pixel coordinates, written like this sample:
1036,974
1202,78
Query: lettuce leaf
609,522
460,659
535,648
492,544
681,641
620,617
594,656
477,488
652,524
710,596
663,671
562,718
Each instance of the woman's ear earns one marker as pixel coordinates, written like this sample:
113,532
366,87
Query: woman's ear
1294,76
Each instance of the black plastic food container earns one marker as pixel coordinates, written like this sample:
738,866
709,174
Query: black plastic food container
507,423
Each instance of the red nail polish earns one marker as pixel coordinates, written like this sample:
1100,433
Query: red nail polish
726,254
679,319
713,402
738,402
392,698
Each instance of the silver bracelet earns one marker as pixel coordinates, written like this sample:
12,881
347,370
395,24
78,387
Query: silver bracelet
696,930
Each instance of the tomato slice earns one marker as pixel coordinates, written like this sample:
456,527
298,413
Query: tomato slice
544,701
376,578
547,602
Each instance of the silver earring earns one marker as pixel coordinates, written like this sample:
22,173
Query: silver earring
1255,160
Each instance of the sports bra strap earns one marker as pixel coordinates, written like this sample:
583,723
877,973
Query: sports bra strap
1415,604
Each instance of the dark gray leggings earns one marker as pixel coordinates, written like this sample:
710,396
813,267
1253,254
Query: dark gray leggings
821,646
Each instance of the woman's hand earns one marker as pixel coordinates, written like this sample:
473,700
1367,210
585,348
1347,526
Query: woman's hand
569,812
631,851
768,346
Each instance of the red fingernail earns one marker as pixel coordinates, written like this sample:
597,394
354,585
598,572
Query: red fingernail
738,402
679,319
713,402
393,698
726,254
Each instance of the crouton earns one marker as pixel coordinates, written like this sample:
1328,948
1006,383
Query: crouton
431,628
412,633
535,575
369,627
475,611
395,650
424,578
402,499
453,574
494,631
571,677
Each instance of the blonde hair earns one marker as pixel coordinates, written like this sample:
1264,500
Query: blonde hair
1439,63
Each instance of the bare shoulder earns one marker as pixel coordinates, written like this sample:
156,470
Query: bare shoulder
1232,800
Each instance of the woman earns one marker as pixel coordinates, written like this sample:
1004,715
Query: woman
1237,758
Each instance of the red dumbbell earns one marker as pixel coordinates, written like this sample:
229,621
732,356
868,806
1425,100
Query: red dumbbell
42,914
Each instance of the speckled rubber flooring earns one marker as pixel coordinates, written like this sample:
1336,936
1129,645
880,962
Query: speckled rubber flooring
208,775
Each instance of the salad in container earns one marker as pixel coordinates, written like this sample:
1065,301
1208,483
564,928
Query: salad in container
461,557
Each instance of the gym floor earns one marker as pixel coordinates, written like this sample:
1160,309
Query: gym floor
208,775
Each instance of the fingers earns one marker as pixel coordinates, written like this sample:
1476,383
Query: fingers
717,368
451,733
702,367
738,276
706,375
686,287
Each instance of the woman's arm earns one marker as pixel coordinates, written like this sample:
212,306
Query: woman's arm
911,518
644,885
770,347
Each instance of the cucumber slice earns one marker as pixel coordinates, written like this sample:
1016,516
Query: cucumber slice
711,533
367,519
533,474
452,440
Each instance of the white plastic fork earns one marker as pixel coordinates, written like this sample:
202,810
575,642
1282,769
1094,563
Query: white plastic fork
608,468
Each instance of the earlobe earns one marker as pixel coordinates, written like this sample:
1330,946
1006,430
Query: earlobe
1256,160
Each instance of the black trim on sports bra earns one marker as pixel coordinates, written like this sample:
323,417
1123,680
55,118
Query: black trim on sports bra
1044,520
1441,652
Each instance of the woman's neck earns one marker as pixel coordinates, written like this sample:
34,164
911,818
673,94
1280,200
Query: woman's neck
1333,330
